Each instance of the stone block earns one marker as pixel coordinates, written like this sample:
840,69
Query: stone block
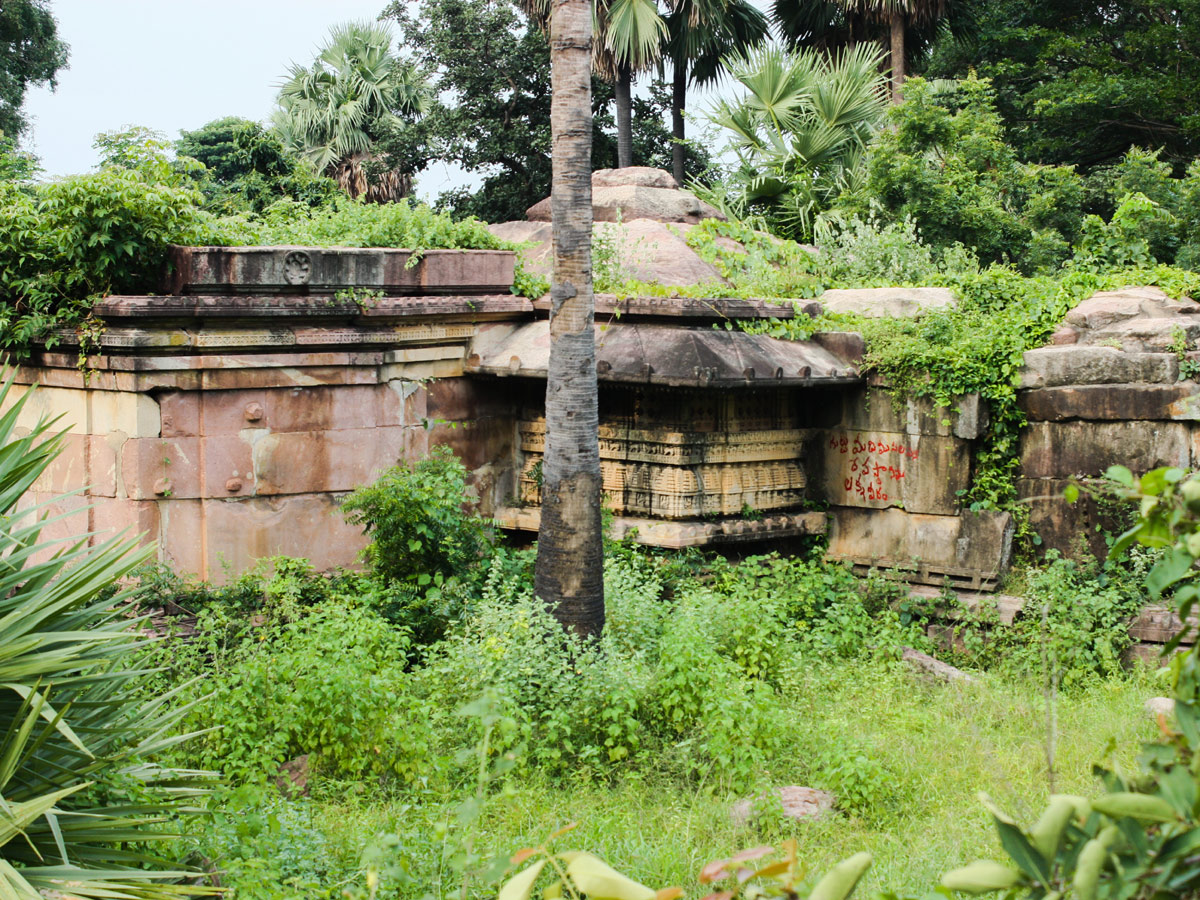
68,519
182,539
154,468
104,463
1074,365
874,409
69,470
260,379
180,413
461,399
477,443
972,548
1076,530
112,517
136,415
314,461
69,406
846,345
1113,401
921,473
1066,449
1151,335
302,409
240,532
887,302
415,397
1108,307
326,270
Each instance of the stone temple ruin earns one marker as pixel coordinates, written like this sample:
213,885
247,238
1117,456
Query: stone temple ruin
227,418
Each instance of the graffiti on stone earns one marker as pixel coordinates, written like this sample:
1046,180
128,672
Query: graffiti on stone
875,465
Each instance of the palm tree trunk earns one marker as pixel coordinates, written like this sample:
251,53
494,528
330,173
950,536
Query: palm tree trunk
624,92
678,100
899,21
568,575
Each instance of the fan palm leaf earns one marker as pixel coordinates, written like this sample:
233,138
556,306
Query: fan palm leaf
332,112
71,721
798,130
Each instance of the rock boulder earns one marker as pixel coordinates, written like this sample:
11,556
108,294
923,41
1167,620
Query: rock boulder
637,192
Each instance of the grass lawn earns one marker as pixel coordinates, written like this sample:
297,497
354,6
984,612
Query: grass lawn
915,754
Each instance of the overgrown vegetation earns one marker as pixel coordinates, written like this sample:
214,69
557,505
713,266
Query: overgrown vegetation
85,802
714,679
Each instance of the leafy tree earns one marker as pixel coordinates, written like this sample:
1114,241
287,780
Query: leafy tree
908,28
1080,82
30,54
800,132
334,112
569,574
628,37
945,165
247,168
701,36
16,166
495,119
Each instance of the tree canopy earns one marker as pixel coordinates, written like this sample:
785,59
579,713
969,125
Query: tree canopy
494,119
1082,81
31,54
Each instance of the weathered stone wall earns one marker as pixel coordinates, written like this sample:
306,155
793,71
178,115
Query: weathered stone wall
1107,392
255,461
227,424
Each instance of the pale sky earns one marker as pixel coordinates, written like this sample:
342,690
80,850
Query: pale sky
177,64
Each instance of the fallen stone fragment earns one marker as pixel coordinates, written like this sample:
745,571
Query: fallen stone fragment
1160,706
799,803
926,663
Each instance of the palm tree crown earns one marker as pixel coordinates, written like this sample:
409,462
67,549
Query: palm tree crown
332,112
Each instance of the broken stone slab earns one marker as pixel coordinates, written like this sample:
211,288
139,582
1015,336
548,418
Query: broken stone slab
1066,449
1159,706
641,176
971,549
1100,402
799,803
328,270
1106,308
923,662
887,302
1071,365
1158,334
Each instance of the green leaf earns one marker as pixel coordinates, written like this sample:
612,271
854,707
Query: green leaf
1173,567
600,881
1022,852
520,886
1120,475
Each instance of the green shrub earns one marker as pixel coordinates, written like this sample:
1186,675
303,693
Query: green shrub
281,693
425,538
946,166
